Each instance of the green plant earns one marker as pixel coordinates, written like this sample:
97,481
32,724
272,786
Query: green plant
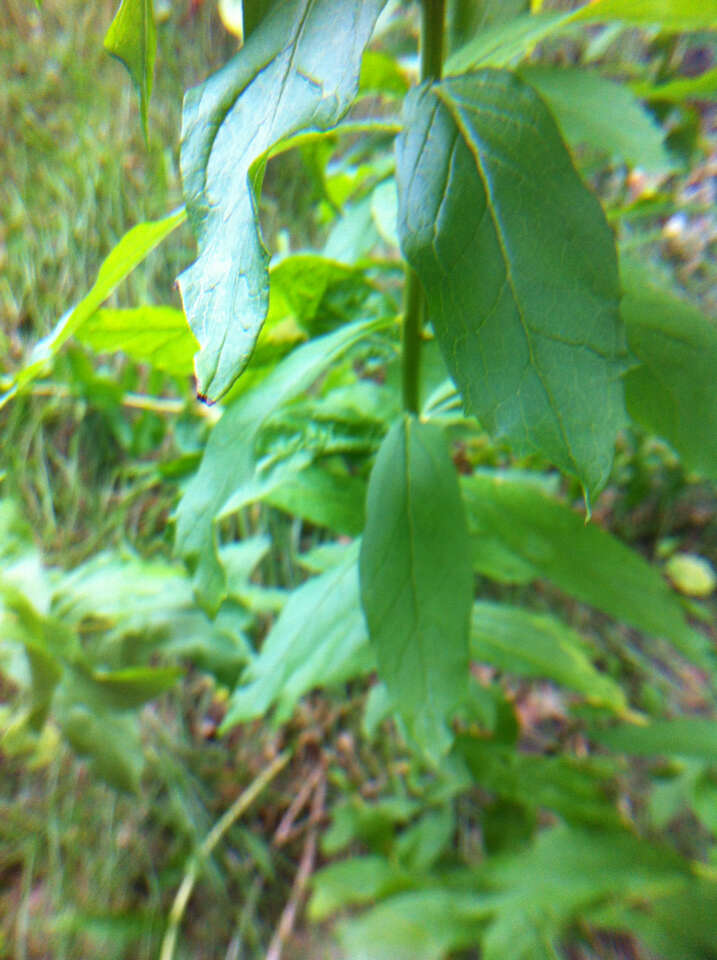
349,414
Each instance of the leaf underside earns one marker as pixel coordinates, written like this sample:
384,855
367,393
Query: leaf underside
298,70
519,268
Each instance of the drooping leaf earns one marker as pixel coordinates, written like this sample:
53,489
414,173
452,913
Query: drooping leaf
318,640
230,458
128,253
603,114
537,645
158,336
519,268
416,580
683,736
673,392
516,519
298,69
132,39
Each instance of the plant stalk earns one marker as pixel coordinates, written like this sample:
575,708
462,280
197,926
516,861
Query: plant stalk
433,14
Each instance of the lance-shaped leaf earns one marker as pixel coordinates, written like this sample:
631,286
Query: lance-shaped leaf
230,456
673,391
416,580
519,268
132,39
298,70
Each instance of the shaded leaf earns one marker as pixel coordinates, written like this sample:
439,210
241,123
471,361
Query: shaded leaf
578,791
684,736
581,559
285,79
527,318
536,645
132,39
673,392
318,640
603,114
229,459
416,581
353,882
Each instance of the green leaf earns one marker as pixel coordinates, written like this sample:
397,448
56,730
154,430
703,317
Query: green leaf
130,251
319,640
684,736
603,114
132,687
519,268
353,882
110,741
578,791
672,392
581,559
229,459
671,14
158,336
702,87
577,869
132,39
416,581
324,498
418,925
536,645
503,43
299,69
253,12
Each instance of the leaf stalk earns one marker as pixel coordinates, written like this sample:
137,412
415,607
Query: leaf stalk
432,42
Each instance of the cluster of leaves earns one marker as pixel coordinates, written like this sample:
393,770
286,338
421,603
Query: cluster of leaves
538,334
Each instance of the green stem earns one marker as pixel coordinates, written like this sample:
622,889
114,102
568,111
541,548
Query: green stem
431,47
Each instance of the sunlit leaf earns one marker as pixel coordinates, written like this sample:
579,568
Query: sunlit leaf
132,39
299,69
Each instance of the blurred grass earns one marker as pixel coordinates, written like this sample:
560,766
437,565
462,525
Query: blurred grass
74,169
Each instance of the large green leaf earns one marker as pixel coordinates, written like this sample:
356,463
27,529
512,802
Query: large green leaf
318,640
299,69
229,459
132,39
519,268
155,335
603,114
673,392
513,518
537,645
128,253
684,736
416,580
